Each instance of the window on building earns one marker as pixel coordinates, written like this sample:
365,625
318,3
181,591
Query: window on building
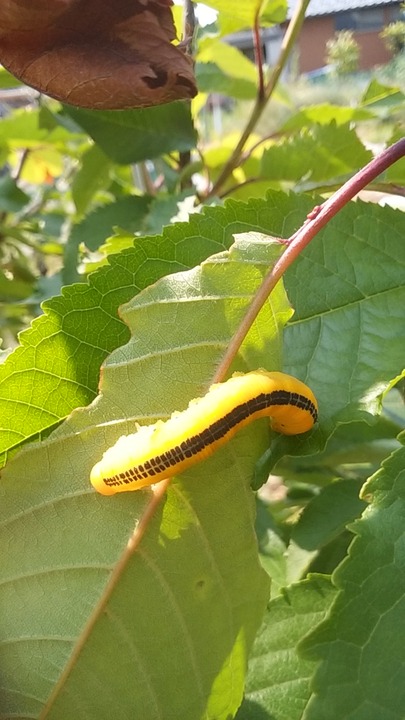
360,20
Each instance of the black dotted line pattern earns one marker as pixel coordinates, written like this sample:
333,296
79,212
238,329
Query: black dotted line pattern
213,433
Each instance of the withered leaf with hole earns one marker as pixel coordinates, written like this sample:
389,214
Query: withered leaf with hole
102,54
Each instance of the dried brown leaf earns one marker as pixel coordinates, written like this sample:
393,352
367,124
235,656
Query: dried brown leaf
103,54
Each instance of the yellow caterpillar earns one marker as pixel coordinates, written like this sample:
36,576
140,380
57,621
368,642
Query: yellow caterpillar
158,451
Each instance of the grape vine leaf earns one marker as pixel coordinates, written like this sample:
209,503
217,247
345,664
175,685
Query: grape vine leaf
361,644
278,680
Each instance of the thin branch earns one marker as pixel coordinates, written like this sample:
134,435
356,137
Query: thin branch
319,217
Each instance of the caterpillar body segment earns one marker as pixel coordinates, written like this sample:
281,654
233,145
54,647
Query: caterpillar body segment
158,451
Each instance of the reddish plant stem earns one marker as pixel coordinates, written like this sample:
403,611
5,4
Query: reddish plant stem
319,217
100,608
257,44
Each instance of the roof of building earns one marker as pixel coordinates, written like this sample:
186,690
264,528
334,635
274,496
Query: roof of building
330,7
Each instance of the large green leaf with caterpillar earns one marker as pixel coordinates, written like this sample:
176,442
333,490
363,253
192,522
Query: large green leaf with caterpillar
173,639
66,541
56,368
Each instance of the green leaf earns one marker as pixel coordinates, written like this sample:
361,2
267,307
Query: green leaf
247,191
355,450
229,59
348,292
361,646
210,79
278,681
30,127
4,152
12,199
129,136
377,95
197,566
127,212
241,16
57,366
271,12
7,80
328,513
93,175
272,547
224,69
360,444
159,212
162,209
195,586
321,153
12,289
325,114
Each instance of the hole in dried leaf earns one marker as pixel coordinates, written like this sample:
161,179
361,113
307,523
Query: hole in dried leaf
159,81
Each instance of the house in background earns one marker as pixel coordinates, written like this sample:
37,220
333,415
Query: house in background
366,18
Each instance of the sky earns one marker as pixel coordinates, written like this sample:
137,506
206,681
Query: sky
205,14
